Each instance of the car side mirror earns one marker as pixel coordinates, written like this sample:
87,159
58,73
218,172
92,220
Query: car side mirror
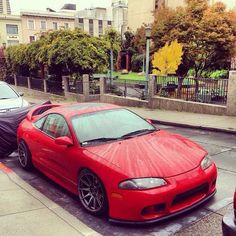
21,94
64,141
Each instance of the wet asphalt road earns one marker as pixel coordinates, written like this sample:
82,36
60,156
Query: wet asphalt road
222,148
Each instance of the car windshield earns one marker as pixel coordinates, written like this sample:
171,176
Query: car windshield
109,125
7,92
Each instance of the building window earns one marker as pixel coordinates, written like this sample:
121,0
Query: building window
12,29
32,39
54,25
109,23
31,24
91,27
81,23
100,28
66,25
43,25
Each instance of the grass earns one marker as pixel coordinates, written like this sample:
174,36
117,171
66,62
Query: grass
130,76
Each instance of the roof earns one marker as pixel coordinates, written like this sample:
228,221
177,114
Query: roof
47,14
82,108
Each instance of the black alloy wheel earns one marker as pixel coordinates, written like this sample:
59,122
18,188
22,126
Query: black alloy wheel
24,157
92,193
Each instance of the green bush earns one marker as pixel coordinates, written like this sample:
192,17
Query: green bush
137,63
219,74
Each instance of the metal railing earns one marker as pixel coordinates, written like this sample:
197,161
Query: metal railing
75,86
36,83
204,90
55,87
127,88
22,81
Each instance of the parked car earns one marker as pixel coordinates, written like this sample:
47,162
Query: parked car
10,99
229,221
117,162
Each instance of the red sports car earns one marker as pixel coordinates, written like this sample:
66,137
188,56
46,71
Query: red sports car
116,162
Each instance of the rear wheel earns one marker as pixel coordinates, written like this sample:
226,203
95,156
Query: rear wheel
25,157
92,193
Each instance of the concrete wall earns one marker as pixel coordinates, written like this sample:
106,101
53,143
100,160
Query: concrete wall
231,96
122,101
187,106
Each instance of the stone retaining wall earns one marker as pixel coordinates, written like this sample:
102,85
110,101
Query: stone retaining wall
187,106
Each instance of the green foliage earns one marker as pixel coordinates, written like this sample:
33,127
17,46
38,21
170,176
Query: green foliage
219,74
137,62
64,52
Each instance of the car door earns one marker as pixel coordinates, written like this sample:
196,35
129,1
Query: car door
56,159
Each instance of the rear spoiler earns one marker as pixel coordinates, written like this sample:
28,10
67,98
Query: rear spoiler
39,110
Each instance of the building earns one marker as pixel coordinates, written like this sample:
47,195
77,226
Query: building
141,11
5,7
35,23
10,30
10,26
120,15
93,21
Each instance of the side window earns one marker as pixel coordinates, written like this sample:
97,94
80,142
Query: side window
56,126
39,123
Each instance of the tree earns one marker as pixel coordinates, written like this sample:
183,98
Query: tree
167,59
64,52
114,40
207,33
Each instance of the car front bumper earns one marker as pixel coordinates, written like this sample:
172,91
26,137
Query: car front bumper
181,194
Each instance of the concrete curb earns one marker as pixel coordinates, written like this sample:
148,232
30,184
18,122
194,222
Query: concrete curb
193,126
72,221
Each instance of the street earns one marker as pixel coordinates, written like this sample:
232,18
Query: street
222,148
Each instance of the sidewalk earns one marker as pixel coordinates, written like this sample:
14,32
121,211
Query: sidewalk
25,212
187,119
175,118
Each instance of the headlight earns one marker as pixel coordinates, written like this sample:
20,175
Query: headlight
142,183
206,162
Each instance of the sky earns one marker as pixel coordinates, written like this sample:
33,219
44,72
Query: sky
17,5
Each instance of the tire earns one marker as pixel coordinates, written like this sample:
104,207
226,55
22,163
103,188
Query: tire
92,193
24,156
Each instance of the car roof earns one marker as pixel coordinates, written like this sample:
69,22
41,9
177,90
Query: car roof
2,82
70,110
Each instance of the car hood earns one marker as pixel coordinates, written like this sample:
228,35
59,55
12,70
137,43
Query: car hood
11,103
160,154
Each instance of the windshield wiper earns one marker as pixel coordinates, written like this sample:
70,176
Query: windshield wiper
137,132
103,139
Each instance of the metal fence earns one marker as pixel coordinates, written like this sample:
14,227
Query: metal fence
55,87
127,88
22,81
203,90
75,86
94,86
37,84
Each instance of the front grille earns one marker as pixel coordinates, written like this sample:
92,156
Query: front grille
202,189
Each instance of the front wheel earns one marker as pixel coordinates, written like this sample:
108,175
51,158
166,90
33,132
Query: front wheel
24,158
92,193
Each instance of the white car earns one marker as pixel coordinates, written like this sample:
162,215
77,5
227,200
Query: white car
10,99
